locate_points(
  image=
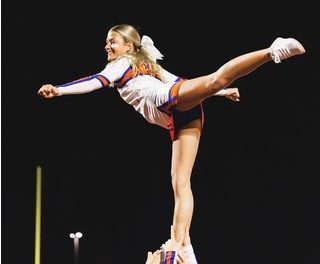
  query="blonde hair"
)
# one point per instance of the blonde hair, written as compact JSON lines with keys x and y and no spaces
{"x":140,"y":56}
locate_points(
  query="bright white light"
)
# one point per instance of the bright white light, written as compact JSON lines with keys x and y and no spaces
{"x":72,"y":235}
{"x":78,"y":234}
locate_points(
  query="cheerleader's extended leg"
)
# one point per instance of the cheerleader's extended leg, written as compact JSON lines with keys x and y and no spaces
{"x":194,"y":91}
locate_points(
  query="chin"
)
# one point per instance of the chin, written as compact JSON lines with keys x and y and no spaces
{"x":111,"y":57}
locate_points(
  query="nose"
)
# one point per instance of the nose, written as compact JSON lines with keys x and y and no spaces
{"x":107,"y":46}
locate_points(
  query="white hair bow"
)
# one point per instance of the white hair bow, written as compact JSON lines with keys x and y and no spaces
{"x":154,"y":53}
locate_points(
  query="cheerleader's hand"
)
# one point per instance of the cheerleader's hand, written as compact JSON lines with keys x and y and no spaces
{"x":233,"y":94}
{"x":48,"y":91}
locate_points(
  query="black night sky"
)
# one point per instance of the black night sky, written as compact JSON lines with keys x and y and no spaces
{"x":106,"y":171}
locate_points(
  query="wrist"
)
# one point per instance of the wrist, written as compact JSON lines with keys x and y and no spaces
{"x":222,"y":92}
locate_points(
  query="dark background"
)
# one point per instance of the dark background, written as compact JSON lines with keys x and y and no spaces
{"x":106,"y":171}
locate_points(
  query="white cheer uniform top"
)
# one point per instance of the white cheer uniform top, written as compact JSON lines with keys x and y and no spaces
{"x":146,"y":93}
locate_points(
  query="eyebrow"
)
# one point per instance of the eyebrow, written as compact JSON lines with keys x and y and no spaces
{"x":108,"y":40}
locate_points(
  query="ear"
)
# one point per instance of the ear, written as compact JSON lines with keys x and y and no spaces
{"x":129,"y":47}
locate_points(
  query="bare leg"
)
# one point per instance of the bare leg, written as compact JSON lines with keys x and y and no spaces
{"x":194,"y":91}
{"x":184,"y":151}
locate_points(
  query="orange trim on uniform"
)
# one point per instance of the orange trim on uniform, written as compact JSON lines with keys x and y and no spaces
{"x":171,"y":128}
{"x":143,"y":69}
{"x":103,"y":80}
{"x":173,"y":98}
{"x":169,"y":257}
{"x":127,"y":75}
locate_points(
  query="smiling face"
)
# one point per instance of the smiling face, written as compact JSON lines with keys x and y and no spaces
{"x":116,"y":46}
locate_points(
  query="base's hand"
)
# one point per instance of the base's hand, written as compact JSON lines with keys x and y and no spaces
{"x":172,"y":244}
{"x":187,"y":239}
{"x":153,"y":258}
{"x":233,"y":94}
{"x":182,"y":258}
{"x":48,"y":91}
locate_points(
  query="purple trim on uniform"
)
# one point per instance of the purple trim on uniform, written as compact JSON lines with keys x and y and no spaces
{"x":124,"y":74}
{"x":171,"y":99}
{"x":77,"y":81}
{"x":161,"y":107}
{"x":168,"y":102}
{"x":103,"y":77}
{"x":129,"y":79}
{"x":169,"y":259}
{"x":86,"y":79}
